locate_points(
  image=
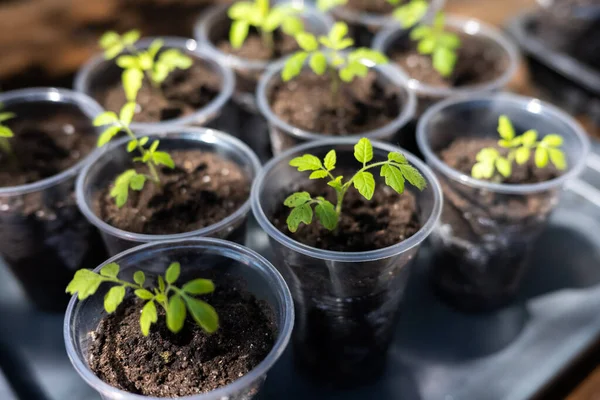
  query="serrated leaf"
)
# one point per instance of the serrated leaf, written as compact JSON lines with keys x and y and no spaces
{"x":326,"y":214}
{"x":307,"y":162}
{"x":144,"y":294}
{"x":337,"y":32}
{"x":318,"y":174}
{"x":132,"y":145}
{"x":363,"y":151}
{"x":293,"y":66}
{"x":106,"y":118}
{"x":176,"y":314}
{"x":529,"y":138}
{"x":292,"y":25}
{"x":107,"y":135}
{"x":541,"y":157}
{"x":148,"y":317}
{"x":110,"y":270}
{"x":238,"y":33}
{"x":552,"y":140}
{"x":336,"y":183}
{"x":298,"y":215}
{"x":482,"y":170}
{"x":139,"y":277}
{"x":522,"y":155}
{"x":297,"y":199}
{"x":120,"y":188}
{"x":132,"y":82}
{"x":503,"y":166}
{"x":411,"y":13}
{"x":137,"y":182}
{"x":307,"y":41}
{"x":364,"y":182}
{"x":557,"y":157}
{"x":203,"y":313}
{"x":173,"y":272}
{"x":444,"y":61}
{"x":127,"y":112}
{"x":330,"y":160}
{"x":505,"y":128}
{"x":114,"y":298}
{"x":163,"y":158}
{"x":318,"y":63}
{"x":85,"y":283}
{"x":199,"y":286}
{"x":393,"y":177}
{"x":352,"y":70}
{"x":397,"y":157}
{"x":413,"y":176}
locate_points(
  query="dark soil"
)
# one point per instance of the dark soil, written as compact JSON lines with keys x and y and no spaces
{"x":307,"y":102}
{"x":167,"y":365}
{"x":479,"y":61}
{"x":202,"y":190}
{"x":255,"y":49}
{"x":182,"y":93}
{"x":372,"y":6}
{"x":489,"y":235}
{"x":43,"y":237}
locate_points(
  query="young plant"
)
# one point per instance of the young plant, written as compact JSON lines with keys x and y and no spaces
{"x":139,"y":63}
{"x":342,"y":66}
{"x":409,"y":14}
{"x":440,"y":44}
{"x":5,"y":132}
{"x":490,"y":160}
{"x":396,"y":170}
{"x":150,"y":156}
{"x":176,"y":301}
{"x":266,"y":19}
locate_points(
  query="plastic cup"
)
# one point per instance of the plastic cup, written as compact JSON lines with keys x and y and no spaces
{"x":195,"y":255}
{"x":346,"y":302}
{"x":44,"y":238}
{"x":113,"y":159}
{"x":481,"y":245}
{"x":99,"y":71}
{"x":284,"y":135}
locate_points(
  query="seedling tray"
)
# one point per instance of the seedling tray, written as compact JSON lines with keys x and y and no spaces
{"x":438,"y":353}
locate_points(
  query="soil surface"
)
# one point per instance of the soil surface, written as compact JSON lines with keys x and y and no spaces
{"x":372,"y":6}
{"x":479,"y":61}
{"x":387,"y":219}
{"x":182,"y":93}
{"x":307,"y":102}
{"x":202,"y":190}
{"x":164,"y":364}
{"x":255,"y":49}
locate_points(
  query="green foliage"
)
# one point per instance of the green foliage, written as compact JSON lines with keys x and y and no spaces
{"x":152,"y":63}
{"x":266,"y":19}
{"x":150,"y":155}
{"x":326,"y":5}
{"x":175,"y":301}
{"x":396,"y":170}
{"x":441,"y":45}
{"x":490,"y":160}
{"x":410,"y":13}
{"x":5,"y":132}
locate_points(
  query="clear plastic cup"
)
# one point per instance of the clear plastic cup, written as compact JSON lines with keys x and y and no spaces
{"x":284,"y":135}
{"x":346,"y":302}
{"x":482,"y":243}
{"x":43,"y":237}
{"x":113,"y":159}
{"x":195,"y":255}
{"x":214,"y":26}
{"x":98,"y":71}
{"x":364,"y":26}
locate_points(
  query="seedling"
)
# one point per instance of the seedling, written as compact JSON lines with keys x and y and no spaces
{"x":409,"y":14}
{"x":440,"y":44}
{"x":176,"y":302}
{"x":150,"y":156}
{"x":396,"y":170}
{"x":266,"y":19}
{"x":342,"y":66}
{"x":490,"y":160}
{"x":5,"y":132}
{"x":139,"y":63}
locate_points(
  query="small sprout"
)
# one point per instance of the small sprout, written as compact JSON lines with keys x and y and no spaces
{"x":410,"y":13}
{"x":441,"y":45}
{"x":176,"y":302}
{"x":266,"y":19}
{"x":342,"y":66}
{"x":490,"y":161}
{"x":150,"y":156}
{"x":140,"y":63}
{"x":5,"y":132}
{"x":396,"y":170}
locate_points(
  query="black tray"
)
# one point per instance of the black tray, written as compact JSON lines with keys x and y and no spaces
{"x":438,"y":354}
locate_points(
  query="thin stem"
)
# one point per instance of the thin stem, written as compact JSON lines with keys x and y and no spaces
{"x":267,"y":39}
{"x":154,"y":174}
{"x":124,"y":283}
{"x":335,"y":87}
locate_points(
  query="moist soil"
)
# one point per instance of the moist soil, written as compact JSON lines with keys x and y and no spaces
{"x":181,"y":94}
{"x":200,"y":191}
{"x":372,"y":6}
{"x":479,"y":61}
{"x":307,"y":102}
{"x":170,"y":365}
{"x":481,"y":269}
{"x":43,"y":237}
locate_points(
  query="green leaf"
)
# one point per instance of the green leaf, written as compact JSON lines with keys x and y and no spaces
{"x":139,"y":277}
{"x":109,"y":39}
{"x":426,"y":45}
{"x":307,"y":41}
{"x":336,"y":183}
{"x":173,"y":59}
{"x":503,"y":166}
{"x":6,"y":132}
{"x":320,"y":174}
{"x":413,"y":176}
{"x":273,"y":20}
{"x":120,"y":189}
{"x":529,"y":138}
{"x":199,"y":286}
{"x":482,"y":170}
{"x":148,"y":317}
{"x":552,"y":140}
{"x":318,"y":63}
{"x":127,"y":61}
{"x":444,"y":61}
{"x":293,"y":66}
{"x":297,"y":199}
{"x":161,"y":284}
{"x":129,"y":38}
{"x":393,"y":177}
{"x":238,"y":33}
{"x":173,"y":272}
{"x":127,"y":112}
{"x":144,"y":294}
{"x":557,"y":157}
{"x":353,"y":69}
{"x":303,"y":213}
{"x":505,"y":128}
{"x":137,"y":182}
{"x":449,"y":41}
{"x":107,"y":135}
{"x":203,"y":313}
{"x":240,"y":10}
{"x":307,"y":162}
{"x":326,"y":5}
{"x":160,"y":72}
{"x":411,"y":13}
{"x":363,"y":151}
{"x":397,"y":157}
{"x":114,"y":298}
{"x":541,"y":157}
{"x":163,"y":158}
{"x":292,"y":25}
{"x":420,"y":32}
{"x":160,"y":298}
{"x":522,"y":155}
{"x":489,"y":155}
{"x":5,"y":116}
{"x":113,"y":51}
{"x":337,"y":32}
{"x":330,"y":160}
{"x":364,"y":182}
{"x":132,"y":82}
{"x":106,"y":118}
{"x":85,"y":283}
{"x":363,"y":54}
{"x":154,"y":146}
{"x":439,"y":21}
{"x":110,"y":270}
{"x":132,"y":145}
{"x":176,"y":314}
{"x":326,"y":214}
{"x":155,"y":47}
